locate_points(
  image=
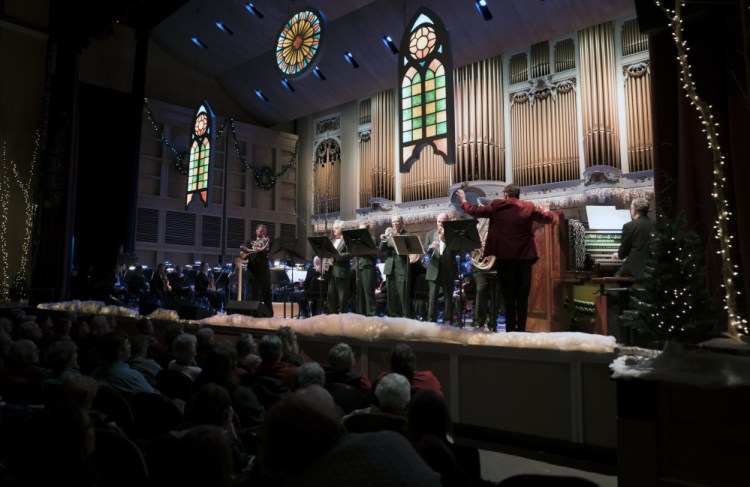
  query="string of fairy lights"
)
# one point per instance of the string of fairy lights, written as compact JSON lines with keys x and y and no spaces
{"x":8,"y":167}
{"x":711,"y":129}
{"x":264,"y":176}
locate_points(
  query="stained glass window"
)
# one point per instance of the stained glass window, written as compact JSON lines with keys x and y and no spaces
{"x":426,"y":90}
{"x":199,"y":168}
{"x":299,"y":43}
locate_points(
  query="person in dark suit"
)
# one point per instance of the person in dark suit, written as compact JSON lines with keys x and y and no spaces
{"x":396,"y":271}
{"x":256,"y":253}
{"x":634,"y":245}
{"x":366,"y":284}
{"x":338,"y":282}
{"x":510,"y":239}
{"x":441,"y":272}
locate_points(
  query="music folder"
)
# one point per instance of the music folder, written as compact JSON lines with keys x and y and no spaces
{"x":359,"y":242}
{"x":407,"y":244}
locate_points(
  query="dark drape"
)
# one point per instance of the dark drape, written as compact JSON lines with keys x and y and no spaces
{"x":683,"y":164}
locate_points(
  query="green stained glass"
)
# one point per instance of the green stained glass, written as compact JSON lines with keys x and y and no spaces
{"x":440,"y":81}
{"x":430,"y":119}
{"x":441,"y":104}
{"x":429,"y":96}
{"x":417,"y":123}
{"x":407,"y":114}
{"x":299,"y":41}
{"x":442,"y":128}
{"x":416,"y":100}
{"x":406,"y":92}
{"x":429,"y":74}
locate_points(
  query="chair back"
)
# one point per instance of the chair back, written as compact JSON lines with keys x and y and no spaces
{"x":347,"y":397}
{"x":118,"y":460}
{"x":154,"y":415}
{"x":372,"y":422}
{"x":115,"y":406}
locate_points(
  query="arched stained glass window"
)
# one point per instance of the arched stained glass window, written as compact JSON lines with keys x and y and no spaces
{"x":426,"y":90}
{"x":300,"y":42}
{"x":199,"y":168}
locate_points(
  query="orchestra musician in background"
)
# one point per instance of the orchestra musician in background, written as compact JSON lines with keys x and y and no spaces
{"x":367,"y":282}
{"x":339,"y":269}
{"x":441,"y":272}
{"x":314,"y":286}
{"x":510,"y":239}
{"x":238,"y":278}
{"x":180,"y":284}
{"x":396,"y":271}
{"x":256,"y":253}
{"x":205,"y":286}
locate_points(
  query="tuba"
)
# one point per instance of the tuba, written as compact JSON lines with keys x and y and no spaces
{"x":477,"y":255}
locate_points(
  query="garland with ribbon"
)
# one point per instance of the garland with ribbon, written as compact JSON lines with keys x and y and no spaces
{"x":264,"y":175}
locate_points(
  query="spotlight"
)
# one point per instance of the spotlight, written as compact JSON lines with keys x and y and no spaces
{"x":317,"y":72}
{"x":350,"y":59}
{"x":224,"y":28}
{"x":287,"y":85}
{"x":483,"y":9}
{"x":198,"y":42}
{"x":251,"y":8}
{"x":389,"y":44}
{"x":261,"y":95}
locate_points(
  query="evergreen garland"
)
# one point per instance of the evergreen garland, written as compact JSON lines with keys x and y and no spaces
{"x":674,"y":303}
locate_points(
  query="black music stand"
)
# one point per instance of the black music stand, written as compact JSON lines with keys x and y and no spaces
{"x":286,"y":252}
{"x":461,"y":236}
{"x":323,"y":248}
{"x":359,"y":243}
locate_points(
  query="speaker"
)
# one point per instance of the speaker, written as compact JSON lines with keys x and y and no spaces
{"x":249,"y":308}
{"x":193,"y":312}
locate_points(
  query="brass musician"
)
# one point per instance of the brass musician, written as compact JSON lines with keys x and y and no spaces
{"x":259,"y":273}
{"x":396,"y":271}
{"x":441,"y":271}
{"x":339,"y":277}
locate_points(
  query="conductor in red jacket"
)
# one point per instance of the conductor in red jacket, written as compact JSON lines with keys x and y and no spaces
{"x":510,"y":239}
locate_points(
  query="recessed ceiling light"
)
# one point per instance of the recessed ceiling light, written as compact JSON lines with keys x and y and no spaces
{"x":198,"y":42}
{"x":224,"y":28}
{"x":388,"y":41}
{"x":251,"y":8}
{"x":261,"y":95}
{"x":350,"y":59}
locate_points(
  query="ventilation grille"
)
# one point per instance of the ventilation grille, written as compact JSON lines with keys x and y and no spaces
{"x":180,"y":228}
{"x":235,"y":232}
{"x":147,"y":225}
{"x":211,"y":233}
{"x":288,"y":232}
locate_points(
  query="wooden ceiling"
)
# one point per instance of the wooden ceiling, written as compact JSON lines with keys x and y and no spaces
{"x":244,"y":61}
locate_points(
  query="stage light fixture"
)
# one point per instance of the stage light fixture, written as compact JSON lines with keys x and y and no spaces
{"x":317,"y":72}
{"x":224,"y":28}
{"x":261,"y":95}
{"x":483,"y":9}
{"x":198,"y":42}
{"x":350,"y":59}
{"x":287,"y":85}
{"x":251,"y":8}
{"x":389,"y":44}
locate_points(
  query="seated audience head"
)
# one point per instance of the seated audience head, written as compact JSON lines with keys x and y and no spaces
{"x":298,"y":430}
{"x":29,"y":330}
{"x":78,"y":391}
{"x":61,"y":354}
{"x":62,"y":326}
{"x":205,"y":336}
{"x":220,"y":366}
{"x":341,"y":358}
{"x":22,"y":353}
{"x":246,"y":345}
{"x":289,"y":342}
{"x":428,"y":415}
{"x":114,"y":347}
{"x":184,"y":348}
{"x":270,"y":349}
{"x":144,"y":326}
{"x":203,"y":456}
{"x":393,"y":392}
{"x":138,"y":346}
{"x":211,"y":404}
{"x":309,"y":373}
{"x":403,"y":360}
{"x":98,"y":325}
{"x":173,"y":331}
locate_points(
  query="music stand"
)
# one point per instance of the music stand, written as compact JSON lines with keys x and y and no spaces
{"x":359,"y":243}
{"x":323,"y":248}
{"x":461,"y":236}
{"x":286,"y":252}
{"x":405,"y":246}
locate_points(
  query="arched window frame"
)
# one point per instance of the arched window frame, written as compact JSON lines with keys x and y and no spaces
{"x":202,"y":138}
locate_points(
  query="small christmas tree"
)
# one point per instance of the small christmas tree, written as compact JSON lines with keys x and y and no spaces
{"x":674,"y":303}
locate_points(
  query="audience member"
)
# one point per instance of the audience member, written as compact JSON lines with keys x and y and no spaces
{"x":247,"y":353}
{"x":404,"y":362}
{"x":114,"y":349}
{"x":184,"y":350}
{"x":61,"y":360}
{"x":21,"y":382}
{"x":271,"y":365}
{"x":289,"y":346}
{"x":341,"y":361}
{"x":203,"y":456}
{"x":308,"y":374}
{"x":205,"y":343}
{"x":154,"y":348}
{"x":139,"y":360}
